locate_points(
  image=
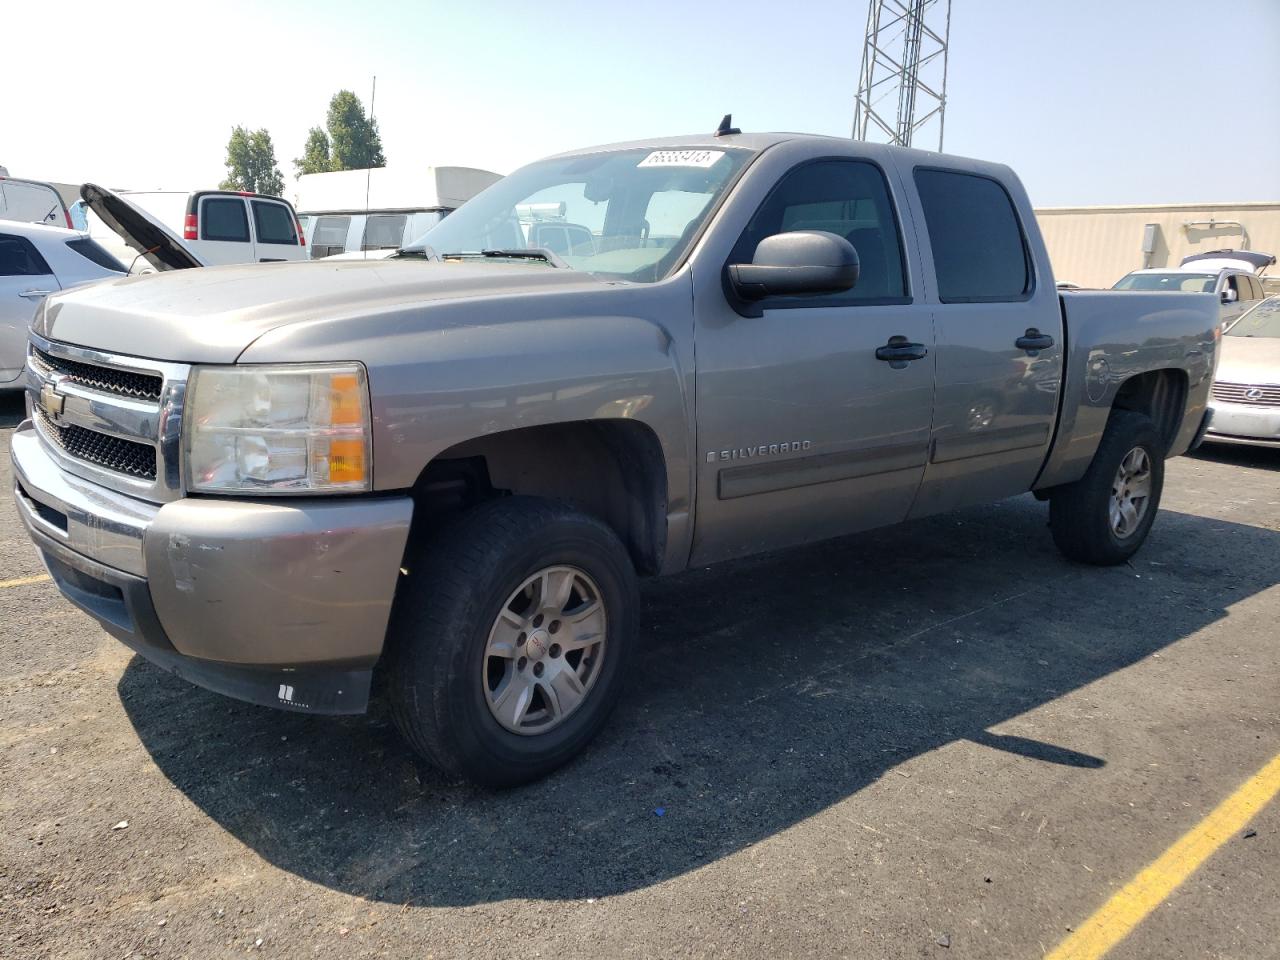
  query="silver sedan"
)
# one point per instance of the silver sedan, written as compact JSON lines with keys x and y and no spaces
{"x":1246,"y":391}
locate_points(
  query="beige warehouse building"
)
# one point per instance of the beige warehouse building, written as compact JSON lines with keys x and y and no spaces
{"x":1096,"y":246}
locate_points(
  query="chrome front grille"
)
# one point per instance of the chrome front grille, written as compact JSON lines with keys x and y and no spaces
{"x":111,"y":419}
{"x":127,"y":383}
{"x":129,"y":457}
{"x":1257,"y":394}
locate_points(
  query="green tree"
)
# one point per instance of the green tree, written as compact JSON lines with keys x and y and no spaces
{"x":315,"y":155}
{"x":251,"y":163}
{"x":354,"y":142}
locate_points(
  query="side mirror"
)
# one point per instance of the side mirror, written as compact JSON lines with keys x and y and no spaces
{"x":796,"y":263}
{"x":1230,"y":296}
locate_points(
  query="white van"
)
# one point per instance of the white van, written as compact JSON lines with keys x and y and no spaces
{"x":218,"y":226}
{"x":30,"y":201}
{"x":355,"y":211}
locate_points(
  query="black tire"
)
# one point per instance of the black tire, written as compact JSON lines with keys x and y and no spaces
{"x":458,"y":583}
{"x":1079,"y":513}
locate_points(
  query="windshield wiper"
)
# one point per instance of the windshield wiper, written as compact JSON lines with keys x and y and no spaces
{"x":525,"y":253}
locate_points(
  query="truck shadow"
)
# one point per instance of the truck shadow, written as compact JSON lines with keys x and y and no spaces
{"x":766,"y":691}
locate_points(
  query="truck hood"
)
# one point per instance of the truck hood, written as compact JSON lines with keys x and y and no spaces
{"x":1249,"y":360}
{"x":212,"y":315}
{"x":142,"y":232}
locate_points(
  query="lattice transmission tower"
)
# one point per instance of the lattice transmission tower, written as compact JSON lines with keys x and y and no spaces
{"x":902,"y":86}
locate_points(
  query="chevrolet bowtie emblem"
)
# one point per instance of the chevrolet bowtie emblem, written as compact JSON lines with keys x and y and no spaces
{"x":51,"y":401}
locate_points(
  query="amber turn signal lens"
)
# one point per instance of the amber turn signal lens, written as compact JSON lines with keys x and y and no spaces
{"x":344,"y":399}
{"x":346,"y":461}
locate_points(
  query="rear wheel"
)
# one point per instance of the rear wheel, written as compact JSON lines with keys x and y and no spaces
{"x":1105,"y":516}
{"x":510,"y":638}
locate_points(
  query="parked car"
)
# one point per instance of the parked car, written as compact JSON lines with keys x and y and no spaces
{"x":217,"y":226}
{"x":1232,"y":279}
{"x":453,"y":464}
{"x":1246,"y":392}
{"x":36,"y":261}
{"x":362,"y":212}
{"x":31,"y":201}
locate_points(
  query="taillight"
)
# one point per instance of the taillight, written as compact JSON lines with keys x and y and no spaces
{"x":189,"y":227}
{"x":67,"y":213}
{"x":302,"y":239}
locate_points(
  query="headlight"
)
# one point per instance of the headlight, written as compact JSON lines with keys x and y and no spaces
{"x":278,"y":429}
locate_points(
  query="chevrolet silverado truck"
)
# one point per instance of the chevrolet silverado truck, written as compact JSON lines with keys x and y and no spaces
{"x":448,"y":469}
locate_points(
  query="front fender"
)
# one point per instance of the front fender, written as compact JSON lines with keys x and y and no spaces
{"x":445,"y":372}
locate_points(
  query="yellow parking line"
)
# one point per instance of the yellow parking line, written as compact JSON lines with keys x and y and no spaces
{"x":1124,"y":911}
{"x":23,"y":581}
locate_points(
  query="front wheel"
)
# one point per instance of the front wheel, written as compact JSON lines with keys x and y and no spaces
{"x":510,"y":639}
{"x":1104,"y":517}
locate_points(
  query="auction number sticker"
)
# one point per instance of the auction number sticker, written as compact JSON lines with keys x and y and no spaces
{"x":681,"y":158}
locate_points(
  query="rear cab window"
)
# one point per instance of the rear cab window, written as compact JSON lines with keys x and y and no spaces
{"x":273,"y":223}
{"x":980,"y":253}
{"x":849,"y":198}
{"x":224,"y":218}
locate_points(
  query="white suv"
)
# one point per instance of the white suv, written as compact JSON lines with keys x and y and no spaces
{"x":1231,"y":274}
{"x":218,"y":226}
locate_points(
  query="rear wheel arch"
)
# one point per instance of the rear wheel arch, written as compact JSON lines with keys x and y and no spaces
{"x":612,"y":469}
{"x":1159,"y":394}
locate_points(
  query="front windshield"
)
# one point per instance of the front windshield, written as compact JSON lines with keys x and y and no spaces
{"x":1178,"y":282}
{"x":626,"y":214}
{"x":1262,"y":321}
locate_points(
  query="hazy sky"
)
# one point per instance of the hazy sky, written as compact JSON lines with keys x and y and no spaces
{"x":1123,"y":101}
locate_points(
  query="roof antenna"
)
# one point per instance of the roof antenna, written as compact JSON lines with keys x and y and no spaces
{"x":368,"y":174}
{"x":726,"y":127}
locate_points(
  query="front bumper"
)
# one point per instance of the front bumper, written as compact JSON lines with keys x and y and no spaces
{"x":1248,"y":424}
{"x":280,"y":602}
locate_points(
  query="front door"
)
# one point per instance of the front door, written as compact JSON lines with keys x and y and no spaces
{"x":802,"y":432}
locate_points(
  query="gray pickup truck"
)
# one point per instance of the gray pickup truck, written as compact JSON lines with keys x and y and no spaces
{"x":447,"y":470}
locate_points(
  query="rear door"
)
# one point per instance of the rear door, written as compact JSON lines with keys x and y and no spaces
{"x":223,"y":230}
{"x":274,"y":231}
{"x":999,"y":340}
{"x":25,"y":280}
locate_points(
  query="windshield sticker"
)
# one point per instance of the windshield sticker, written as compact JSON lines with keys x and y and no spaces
{"x":682,"y":158}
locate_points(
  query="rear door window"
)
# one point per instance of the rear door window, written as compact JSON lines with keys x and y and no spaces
{"x":850,"y":199}
{"x":979,"y":251}
{"x":92,"y":250}
{"x":330,"y":236}
{"x":274,"y":223}
{"x":19,"y":258}
{"x":384,"y":232}
{"x":224,"y":218}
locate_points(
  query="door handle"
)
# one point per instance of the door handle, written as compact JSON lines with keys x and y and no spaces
{"x":1033,"y":340}
{"x":899,"y":351}
{"x":34,"y":294}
